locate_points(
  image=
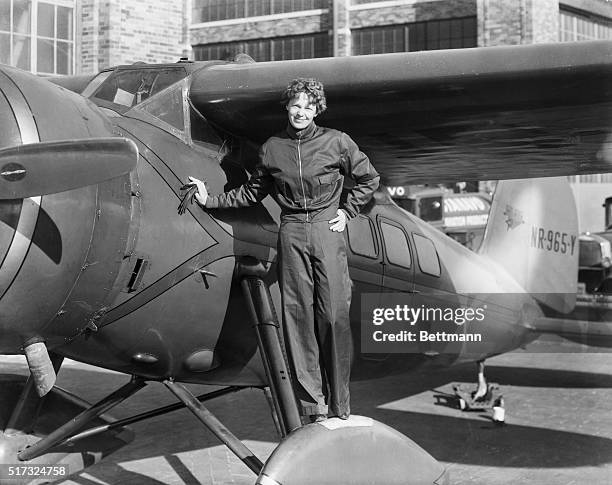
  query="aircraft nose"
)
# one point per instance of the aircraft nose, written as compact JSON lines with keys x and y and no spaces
{"x":17,"y":217}
{"x":10,"y":210}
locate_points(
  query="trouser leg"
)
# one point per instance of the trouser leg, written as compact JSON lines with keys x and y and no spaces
{"x":332,"y":301}
{"x":296,"y":280}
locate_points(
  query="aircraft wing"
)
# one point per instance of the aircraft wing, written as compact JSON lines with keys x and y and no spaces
{"x":439,"y":116}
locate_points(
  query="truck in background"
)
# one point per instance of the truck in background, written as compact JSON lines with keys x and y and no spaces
{"x":595,"y":258}
{"x":595,"y":263}
{"x":462,"y":216}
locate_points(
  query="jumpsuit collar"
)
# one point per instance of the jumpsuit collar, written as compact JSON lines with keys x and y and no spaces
{"x":304,"y":134}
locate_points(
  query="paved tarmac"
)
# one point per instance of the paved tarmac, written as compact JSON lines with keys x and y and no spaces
{"x":558,"y":428}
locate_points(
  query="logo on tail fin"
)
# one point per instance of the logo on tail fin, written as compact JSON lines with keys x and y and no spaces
{"x":514,"y":217}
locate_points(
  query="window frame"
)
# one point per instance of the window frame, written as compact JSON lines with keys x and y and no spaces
{"x":110,"y":75}
{"x":422,"y":35}
{"x":570,"y":21}
{"x":416,"y":235}
{"x":221,"y":10}
{"x":390,"y":222}
{"x":374,"y":239}
{"x":268,"y":48}
{"x":32,"y":38}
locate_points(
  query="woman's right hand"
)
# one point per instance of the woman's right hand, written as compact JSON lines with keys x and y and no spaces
{"x":202,"y":194}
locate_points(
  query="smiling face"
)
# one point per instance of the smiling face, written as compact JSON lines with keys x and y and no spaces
{"x":301,"y":111}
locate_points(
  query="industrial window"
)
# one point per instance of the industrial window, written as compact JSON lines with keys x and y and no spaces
{"x":595,"y":178}
{"x":575,"y":26}
{"x":427,"y":255}
{"x":361,"y":237}
{"x":38,"y":36}
{"x":213,"y":10}
{"x":396,"y":245}
{"x":416,"y":36}
{"x":277,"y":49}
{"x":55,"y":39}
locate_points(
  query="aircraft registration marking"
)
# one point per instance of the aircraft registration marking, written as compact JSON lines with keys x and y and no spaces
{"x":553,"y":241}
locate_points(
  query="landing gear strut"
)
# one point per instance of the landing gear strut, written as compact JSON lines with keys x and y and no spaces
{"x":486,"y":395}
{"x":482,"y":388}
{"x":81,"y":420}
{"x":358,"y":450}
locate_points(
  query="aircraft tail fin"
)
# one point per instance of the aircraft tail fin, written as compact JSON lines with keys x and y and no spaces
{"x":532,"y":233}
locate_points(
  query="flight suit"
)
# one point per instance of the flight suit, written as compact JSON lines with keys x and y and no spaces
{"x":303,"y":171}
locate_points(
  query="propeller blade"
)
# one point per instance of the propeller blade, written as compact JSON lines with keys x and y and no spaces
{"x":52,"y":167}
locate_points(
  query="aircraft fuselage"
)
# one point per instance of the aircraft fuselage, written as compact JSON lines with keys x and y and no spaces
{"x":111,"y":275}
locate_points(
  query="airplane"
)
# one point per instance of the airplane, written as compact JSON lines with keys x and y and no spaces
{"x":97,"y":266}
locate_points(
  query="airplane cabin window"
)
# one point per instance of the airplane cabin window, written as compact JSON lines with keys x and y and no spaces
{"x":95,"y":83}
{"x":396,"y":245}
{"x":177,"y":116}
{"x":427,"y":255}
{"x":169,"y":107}
{"x":361,"y":237}
{"x":129,"y":87}
{"x":201,"y":131}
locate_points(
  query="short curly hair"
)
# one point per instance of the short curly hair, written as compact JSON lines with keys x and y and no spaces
{"x":312,"y":87}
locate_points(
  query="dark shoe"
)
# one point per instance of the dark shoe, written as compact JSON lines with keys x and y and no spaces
{"x":344,"y":416}
{"x":317,"y":418}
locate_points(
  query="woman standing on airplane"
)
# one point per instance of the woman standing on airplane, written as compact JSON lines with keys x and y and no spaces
{"x":303,"y":168}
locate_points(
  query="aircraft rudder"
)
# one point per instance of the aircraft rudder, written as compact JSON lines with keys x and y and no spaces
{"x":532,"y":233}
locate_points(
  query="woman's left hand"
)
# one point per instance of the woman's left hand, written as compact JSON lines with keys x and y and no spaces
{"x":338,"y":223}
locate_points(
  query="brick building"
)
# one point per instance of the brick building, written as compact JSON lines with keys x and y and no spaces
{"x":115,"y":32}
{"x":293,"y":29}
{"x":289,"y":29}
{"x":84,"y":36}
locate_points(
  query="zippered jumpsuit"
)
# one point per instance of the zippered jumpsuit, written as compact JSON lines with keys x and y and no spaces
{"x":304,"y":170}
